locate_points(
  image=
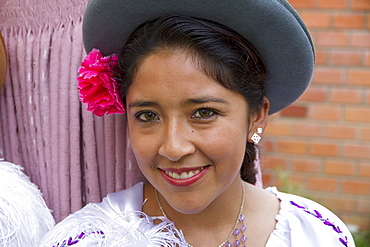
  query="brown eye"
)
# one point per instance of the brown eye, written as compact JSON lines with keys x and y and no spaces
{"x":147,"y":116}
{"x":203,"y":113}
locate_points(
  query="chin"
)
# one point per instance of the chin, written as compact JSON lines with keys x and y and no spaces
{"x":189,"y":204}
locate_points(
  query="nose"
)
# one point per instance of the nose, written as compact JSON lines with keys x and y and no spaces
{"x":176,"y":141}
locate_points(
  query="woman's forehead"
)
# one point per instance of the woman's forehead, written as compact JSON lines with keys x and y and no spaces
{"x":170,"y":70}
{"x":174,"y":76}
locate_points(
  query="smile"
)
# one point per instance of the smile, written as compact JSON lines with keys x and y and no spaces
{"x":184,"y":177}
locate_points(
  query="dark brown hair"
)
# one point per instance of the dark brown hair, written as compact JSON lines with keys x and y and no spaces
{"x":221,"y":53}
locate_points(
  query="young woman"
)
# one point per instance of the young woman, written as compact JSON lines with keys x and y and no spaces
{"x":197,"y":82}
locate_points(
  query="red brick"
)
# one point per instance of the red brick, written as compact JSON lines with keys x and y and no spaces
{"x":321,"y":57}
{"x":325,"y":112}
{"x":315,"y":94}
{"x":344,"y":168}
{"x":356,"y":187}
{"x":333,"y":4}
{"x":363,"y":206}
{"x":322,"y":184}
{"x":345,"y":95}
{"x":294,"y":111}
{"x":298,"y":180}
{"x":292,"y":147}
{"x":360,"y":39}
{"x":367,"y":55}
{"x":349,"y":20}
{"x":324,"y":149}
{"x":364,"y":170}
{"x":309,"y":130}
{"x":360,"y":4}
{"x":339,"y":203}
{"x":314,"y":19}
{"x":365,"y":134}
{"x":332,"y":39}
{"x":306,"y":165}
{"x":274,"y":162}
{"x":267,"y":179}
{"x":346,"y":58}
{"x":341,"y":132}
{"x":279,"y":128}
{"x":361,"y":221}
{"x":268,"y":144}
{"x":359,"y":77}
{"x":357,"y":151}
{"x":289,"y":186}
{"x":368,"y":97}
{"x":302,"y":3}
{"x":357,"y":114}
{"x":328,"y":76}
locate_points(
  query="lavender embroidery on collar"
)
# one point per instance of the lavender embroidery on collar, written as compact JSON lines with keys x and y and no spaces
{"x":343,"y":239}
{"x":72,"y":241}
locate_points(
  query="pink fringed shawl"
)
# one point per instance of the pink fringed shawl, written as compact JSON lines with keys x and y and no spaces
{"x":74,"y":157}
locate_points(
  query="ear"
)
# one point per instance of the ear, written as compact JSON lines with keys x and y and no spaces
{"x":259,"y":119}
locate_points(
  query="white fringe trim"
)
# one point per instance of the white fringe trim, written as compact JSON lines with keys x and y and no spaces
{"x":91,"y":227}
{"x":24,"y":216}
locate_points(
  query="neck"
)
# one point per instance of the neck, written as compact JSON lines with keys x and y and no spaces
{"x":218,"y":217}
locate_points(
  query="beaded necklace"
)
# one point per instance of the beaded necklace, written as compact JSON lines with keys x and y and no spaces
{"x":236,"y":232}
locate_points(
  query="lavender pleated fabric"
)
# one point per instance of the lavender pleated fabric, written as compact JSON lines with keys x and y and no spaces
{"x":74,"y":157}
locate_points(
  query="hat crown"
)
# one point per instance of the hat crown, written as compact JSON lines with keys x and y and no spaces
{"x":272,"y":26}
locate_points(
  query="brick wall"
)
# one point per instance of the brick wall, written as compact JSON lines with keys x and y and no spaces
{"x":323,"y":140}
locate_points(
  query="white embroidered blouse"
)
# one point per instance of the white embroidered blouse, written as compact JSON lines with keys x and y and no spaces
{"x":118,"y":221}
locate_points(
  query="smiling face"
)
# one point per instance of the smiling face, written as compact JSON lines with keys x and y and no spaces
{"x":187,"y":131}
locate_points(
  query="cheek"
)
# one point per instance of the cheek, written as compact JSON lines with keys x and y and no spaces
{"x":142,"y":146}
{"x":142,"y":149}
{"x":228,"y":145}
{"x":144,"y":156}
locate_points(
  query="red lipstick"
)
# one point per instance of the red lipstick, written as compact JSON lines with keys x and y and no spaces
{"x":185,"y":181}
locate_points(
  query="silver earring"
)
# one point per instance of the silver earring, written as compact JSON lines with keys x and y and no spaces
{"x":256,"y":137}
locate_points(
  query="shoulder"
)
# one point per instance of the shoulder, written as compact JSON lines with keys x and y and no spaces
{"x":116,"y":221}
{"x":88,"y":226}
{"x":302,"y":222}
{"x":127,"y":200}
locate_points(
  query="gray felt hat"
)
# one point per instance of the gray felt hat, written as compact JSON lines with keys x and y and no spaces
{"x":272,"y":26}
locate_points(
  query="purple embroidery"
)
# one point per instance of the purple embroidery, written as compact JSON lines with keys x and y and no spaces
{"x":344,"y":242}
{"x":295,"y":204}
{"x":72,"y":241}
{"x":342,"y":239}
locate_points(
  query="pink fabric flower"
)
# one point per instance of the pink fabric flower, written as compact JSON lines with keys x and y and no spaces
{"x":97,"y":87}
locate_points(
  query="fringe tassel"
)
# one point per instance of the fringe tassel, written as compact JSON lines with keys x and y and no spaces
{"x":24,"y":216}
{"x":91,"y":227}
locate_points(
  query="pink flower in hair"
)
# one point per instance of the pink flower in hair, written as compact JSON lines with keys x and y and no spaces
{"x":97,"y":86}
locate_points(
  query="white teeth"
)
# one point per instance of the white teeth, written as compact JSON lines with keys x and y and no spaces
{"x":183,"y":175}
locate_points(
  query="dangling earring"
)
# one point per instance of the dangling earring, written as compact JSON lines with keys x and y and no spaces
{"x":256,"y":137}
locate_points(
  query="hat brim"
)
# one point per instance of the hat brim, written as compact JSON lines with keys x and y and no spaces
{"x":272,"y":26}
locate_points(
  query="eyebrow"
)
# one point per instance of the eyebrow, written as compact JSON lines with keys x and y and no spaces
{"x":140,"y":103}
{"x":202,"y":100}
{"x":206,"y":100}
